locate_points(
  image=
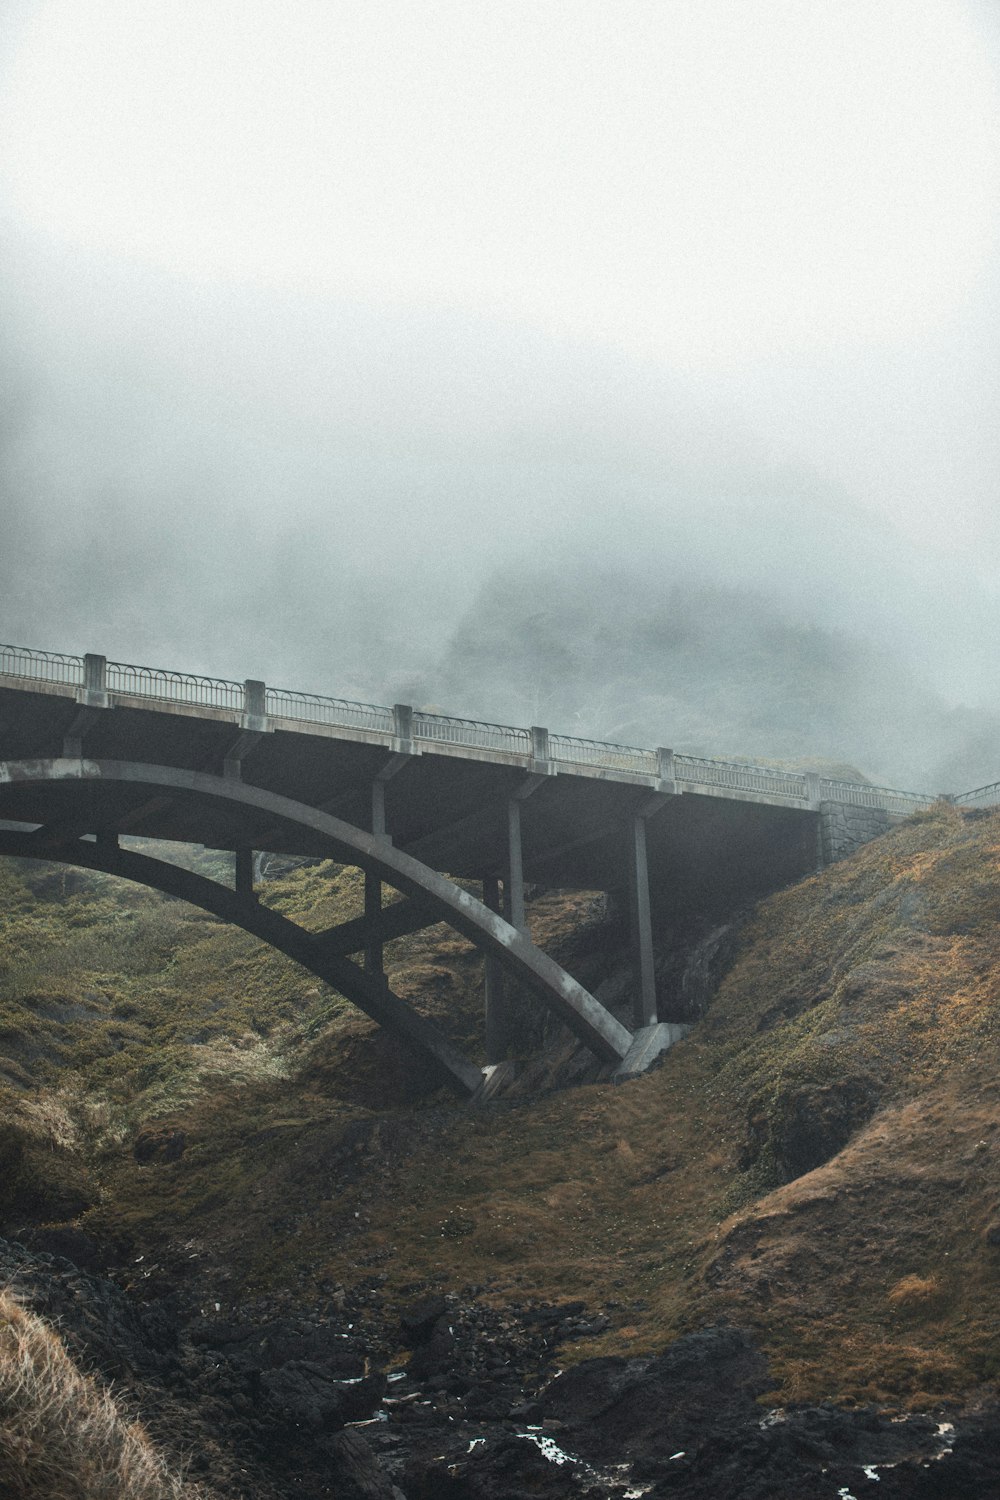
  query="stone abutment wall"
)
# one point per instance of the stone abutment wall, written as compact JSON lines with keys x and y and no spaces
{"x":843,"y":828}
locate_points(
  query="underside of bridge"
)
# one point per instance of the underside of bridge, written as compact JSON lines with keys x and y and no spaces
{"x":79,"y":778}
{"x":75,"y":811}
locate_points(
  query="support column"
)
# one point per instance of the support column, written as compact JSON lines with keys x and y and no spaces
{"x":373,"y":914}
{"x":513,"y":882}
{"x":497,"y":1019}
{"x":374,"y":961}
{"x":644,"y":998}
{"x":244,"y":874}
{"x":374,"y":957}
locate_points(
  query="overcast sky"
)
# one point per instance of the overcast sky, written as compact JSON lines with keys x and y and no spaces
{"x":318,"y":313}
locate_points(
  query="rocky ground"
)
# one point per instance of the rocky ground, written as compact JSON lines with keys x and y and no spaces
{"x":283,"y":1403}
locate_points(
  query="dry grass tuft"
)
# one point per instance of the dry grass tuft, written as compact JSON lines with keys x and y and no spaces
{"x":61,"y":1436}
{"x":915,"y":1292}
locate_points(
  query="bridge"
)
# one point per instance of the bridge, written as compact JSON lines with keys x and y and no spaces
{"x":93,"y":752}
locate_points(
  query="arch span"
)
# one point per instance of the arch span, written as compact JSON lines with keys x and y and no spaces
{"x":364,"y":991}
{"x":71,"y":783}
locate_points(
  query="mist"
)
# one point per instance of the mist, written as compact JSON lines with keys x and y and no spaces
{"x":511,"y":445}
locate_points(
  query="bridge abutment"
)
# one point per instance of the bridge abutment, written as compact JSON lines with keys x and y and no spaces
{"x":844,"y":828}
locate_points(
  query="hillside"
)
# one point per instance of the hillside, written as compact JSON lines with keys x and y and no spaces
{"x":813,"y":1177}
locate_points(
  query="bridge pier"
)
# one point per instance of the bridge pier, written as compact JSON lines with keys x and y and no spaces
{"x":245,"y":874}
{"x":641,"y":926}
{"x":497,"y":1012}
{"x":374,"y":950}
{"x":640,"y":912}
{"x":513,"y":877}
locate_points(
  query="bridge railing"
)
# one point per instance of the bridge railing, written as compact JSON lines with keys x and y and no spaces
{"x":41,"y":666}
{"x":987,"y":796}
{"x":860,"y":794}
{"x":313,"y":708}
{"x":475,"y":733}
{"x":173,"y":687}
{"x":571,"y":751}
{"x":735,"y":777}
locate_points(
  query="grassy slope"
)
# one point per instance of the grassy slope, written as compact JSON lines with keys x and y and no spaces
{"x":852,"y":1047}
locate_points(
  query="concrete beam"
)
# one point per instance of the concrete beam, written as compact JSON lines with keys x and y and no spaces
{"x":395,"y":921}
{"x":242,"y":746}
{"x":83,"y":719}
{"x":58,"y":834}
{"x":64,"y":831}
{"x":397,"y":762}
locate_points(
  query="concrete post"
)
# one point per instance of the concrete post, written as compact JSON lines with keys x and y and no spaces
{"x":95,"y":681}
{"x":95,"y":673}
{"x":666,"y":769}
{"x":497,"y":1017}
{"x":402,"y":727}
{"x":813,"y":789}
{"x":539,"y":745}
{"x":254,"y":705}
{"x":644,"y":999}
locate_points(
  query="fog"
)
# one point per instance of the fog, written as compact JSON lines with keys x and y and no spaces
{"x":632,"y":375}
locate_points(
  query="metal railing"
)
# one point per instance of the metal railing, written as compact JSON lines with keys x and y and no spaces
{"x":155,"y":683}
{"x":981,"y":794}
{"x":735,"y":777}
{"x":603,"y":753}
{"x":173,"y":687}
{"x":312,"y":708}
{"x":41,"y":666}
{"x":476,"y":734}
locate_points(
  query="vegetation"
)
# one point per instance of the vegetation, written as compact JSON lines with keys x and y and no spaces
{"x":63,"y":1437}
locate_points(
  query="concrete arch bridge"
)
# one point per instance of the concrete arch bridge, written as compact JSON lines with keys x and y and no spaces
{"x":92,"y":751}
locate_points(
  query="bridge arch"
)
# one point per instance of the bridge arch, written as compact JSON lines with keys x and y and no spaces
{"x":68,"y":784}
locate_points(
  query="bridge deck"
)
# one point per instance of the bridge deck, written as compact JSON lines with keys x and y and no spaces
{"x":722,"y":831}
{"x":91,"y":750}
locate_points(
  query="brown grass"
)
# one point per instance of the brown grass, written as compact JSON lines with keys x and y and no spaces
{"x":62,"y":1437}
